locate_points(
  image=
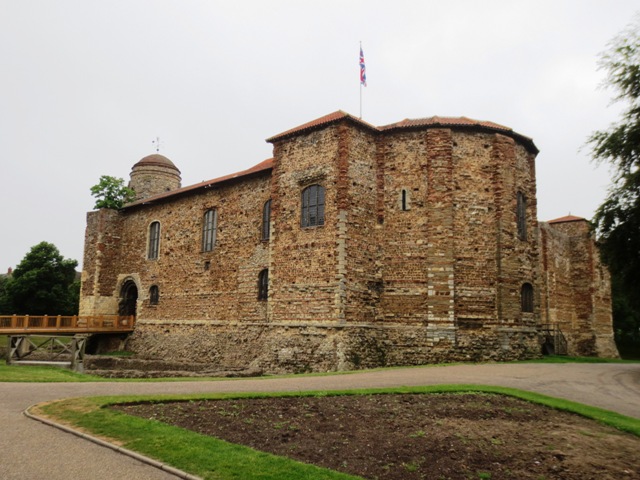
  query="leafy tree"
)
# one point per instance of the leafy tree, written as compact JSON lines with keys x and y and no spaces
{"x":111,"y":192}
{"x":43,"y":283}
{"x":5,"y":304}
{"x":618,"y":219}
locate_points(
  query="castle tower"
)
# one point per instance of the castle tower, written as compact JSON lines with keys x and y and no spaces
{"x":154,"y":174}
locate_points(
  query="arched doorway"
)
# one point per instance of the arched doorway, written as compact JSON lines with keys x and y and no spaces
{"x":128,"y":299}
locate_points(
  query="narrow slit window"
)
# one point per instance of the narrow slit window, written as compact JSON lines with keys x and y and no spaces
{"x":209,"y":225}
{"x":405,"y":204}
{"x":266,"y":220}
{"x":263,"y":285}
{"x":154,"y":241}
{"x":521,"y":216}
{"x":154,"y":295}
{"x":526,"y":298}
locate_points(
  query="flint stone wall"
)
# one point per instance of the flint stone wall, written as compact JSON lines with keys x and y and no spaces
{"x":320,"y":348}
{"x":418,"y":260}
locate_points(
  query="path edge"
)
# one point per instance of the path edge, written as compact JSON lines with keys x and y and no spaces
{"x":103,"y":443}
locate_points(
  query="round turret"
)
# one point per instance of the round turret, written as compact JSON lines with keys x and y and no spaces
{"x":154,"y":174}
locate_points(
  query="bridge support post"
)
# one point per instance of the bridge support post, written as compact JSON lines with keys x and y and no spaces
{"x":19,"y":346}
{"x":78,"y":347}
{"x":9,"y":349}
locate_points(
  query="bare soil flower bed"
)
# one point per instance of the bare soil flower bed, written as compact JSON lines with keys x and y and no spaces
{"x":414,"y":436}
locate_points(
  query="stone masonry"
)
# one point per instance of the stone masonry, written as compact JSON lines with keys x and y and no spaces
{"x":426,"y":243}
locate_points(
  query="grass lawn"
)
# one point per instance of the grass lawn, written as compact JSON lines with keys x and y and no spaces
{"x":23,"y":373}
{"x":211,"y":458}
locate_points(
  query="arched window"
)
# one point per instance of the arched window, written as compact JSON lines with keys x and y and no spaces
{"x":526,"y":298}
{"x":312,"y":206}
{"x":154,"y":241}
{"x":263,"y":284}
{"x":154,"y":295}
{"x":266,"y":220}
{"x":209,"y":226}
{"x":521,"y":216}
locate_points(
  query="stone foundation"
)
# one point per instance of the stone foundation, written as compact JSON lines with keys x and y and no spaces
{"x":301,"y":348}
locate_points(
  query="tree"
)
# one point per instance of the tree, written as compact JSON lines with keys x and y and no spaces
{"x":617,"y":220}
{"x":5,"y":304}
{"x":111,"y":192}
{"x":43,"y":283}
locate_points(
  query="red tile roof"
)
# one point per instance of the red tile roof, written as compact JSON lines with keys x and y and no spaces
{"x":318,"y":123}
{"x":430,"y":122}
{"x":261,"y":167}
{"x":445,"y":122}
{"x":407,"y":123}
{"x":568,"y":218}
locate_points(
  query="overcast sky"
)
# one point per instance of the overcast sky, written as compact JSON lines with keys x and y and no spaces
{"x":86,"y":86}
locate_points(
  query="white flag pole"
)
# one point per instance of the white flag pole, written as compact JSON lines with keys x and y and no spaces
{"x":361,"y":62}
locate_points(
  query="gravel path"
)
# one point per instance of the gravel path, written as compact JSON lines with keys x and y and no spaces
{"x":33,"y":451}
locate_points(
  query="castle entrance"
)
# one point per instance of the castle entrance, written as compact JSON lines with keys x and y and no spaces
{"x":128,"y":299}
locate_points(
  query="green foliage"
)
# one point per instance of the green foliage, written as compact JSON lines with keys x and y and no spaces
{"x":5,"y":303}
{"x":111,"y":192}
{"x":43,"y":283}
{"x":204,"y":456}
{"x":43,"y":374}
{"x":618,"y":219}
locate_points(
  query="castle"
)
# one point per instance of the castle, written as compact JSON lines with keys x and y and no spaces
{"x":355,"y":246}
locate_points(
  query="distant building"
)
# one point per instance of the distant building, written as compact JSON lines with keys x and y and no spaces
{"x":354,"y":246}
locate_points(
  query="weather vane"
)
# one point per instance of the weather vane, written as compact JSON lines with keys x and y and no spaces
{"x":156,"y":142}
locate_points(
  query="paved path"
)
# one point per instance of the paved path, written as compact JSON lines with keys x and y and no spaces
{"x":33,"y":451}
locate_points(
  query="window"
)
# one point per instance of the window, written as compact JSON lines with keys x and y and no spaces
{"x":154,"y":241}
{"x":266,"y":220}
{"x":312,"y":206}
{"x":521,"y":216}
{"x":154,"y":295}
{"x":209,"y":225}
{"x":263,"y":284}
{"x":405,"y":200}
{"x":526,"y":298}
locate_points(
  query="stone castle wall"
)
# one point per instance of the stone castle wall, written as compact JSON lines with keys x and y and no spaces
{"x":576,"y":288}
{"x":419,"y":258}
{"x":218,"y":285}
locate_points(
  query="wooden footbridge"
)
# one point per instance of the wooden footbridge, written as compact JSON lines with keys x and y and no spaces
{"x":56,"y":340}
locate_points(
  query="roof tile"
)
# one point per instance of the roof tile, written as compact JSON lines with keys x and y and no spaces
{"x":262,"y":166}
{"x":567,"y":218}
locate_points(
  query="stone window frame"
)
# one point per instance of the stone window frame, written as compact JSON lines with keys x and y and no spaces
{"x":521,"y":216}
{"x":153,"y":243}
{"x":312,"y":203}
{"x":263,"y":284}
{"x":209,"y":229}
{"x":266,"y":221}
{"x":154,"y":295}
{"x":526,"y":298}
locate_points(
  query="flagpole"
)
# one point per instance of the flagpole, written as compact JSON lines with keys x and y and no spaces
{"x":360,"y":100}
{"x":361,"y":61}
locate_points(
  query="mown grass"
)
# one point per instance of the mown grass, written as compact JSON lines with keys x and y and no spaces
{"x":206,"y":457}
{"x":24,"y":373}
{"x":211,"y":458}
{"x":42,"y":374}
{"x":567,"y":359}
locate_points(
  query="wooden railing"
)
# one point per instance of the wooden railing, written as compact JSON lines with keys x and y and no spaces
{"x":553,"y":340}
{"x":25,"y":324}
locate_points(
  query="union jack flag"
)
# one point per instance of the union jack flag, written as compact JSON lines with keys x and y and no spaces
{"x":363,"y":70}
